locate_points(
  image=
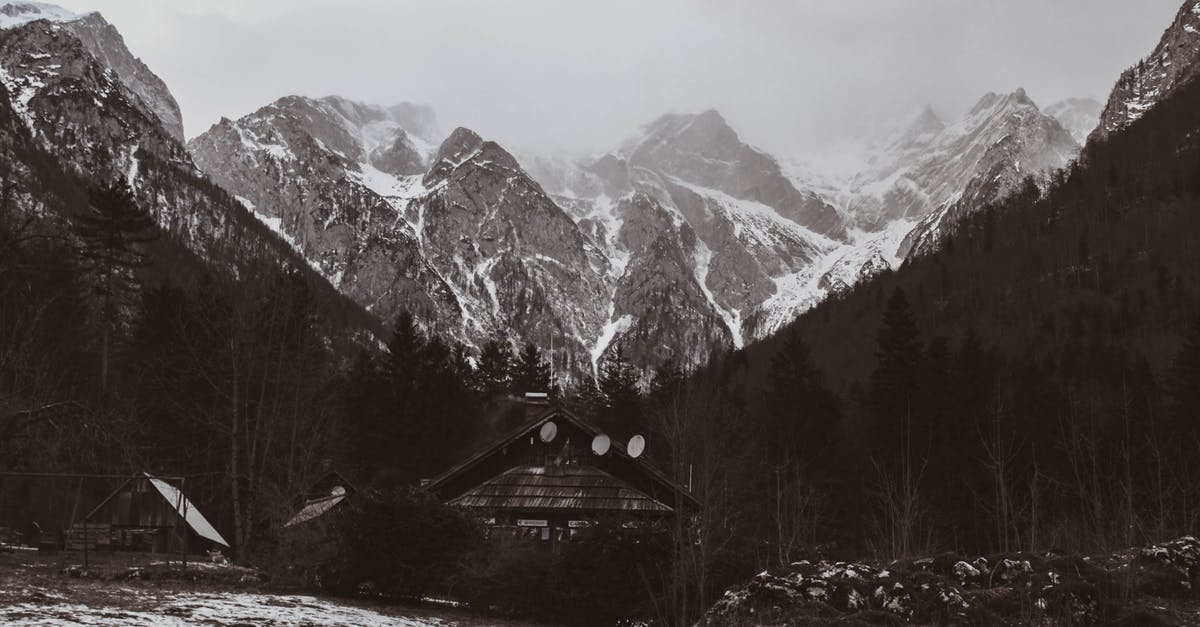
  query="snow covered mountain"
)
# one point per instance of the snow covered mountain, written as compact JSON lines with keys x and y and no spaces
{"x":1078,"y":115}
{"x":681,"y":242}
{"x":103,"y":42}
{"x":1003,"y":140}
{"x":917,"y":172}
{"x":457,"y":234}
{"x":78,"y":110}
{"x":1173,"y":62}
{"x":742,"y":240}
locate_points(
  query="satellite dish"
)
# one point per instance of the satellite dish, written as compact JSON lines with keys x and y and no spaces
{"x":548,"y":432}
{"x":338,"y":491}
{"x":636,"y":446}
{"x":600,"y":444}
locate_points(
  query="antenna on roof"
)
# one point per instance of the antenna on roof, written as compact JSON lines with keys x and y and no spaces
{"x":600,"y":444}
{"x":548,"y":432}
{"x":636,"y":446}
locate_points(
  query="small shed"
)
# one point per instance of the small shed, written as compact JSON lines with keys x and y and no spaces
{"x":326,"y":493}
{"x":147,"y":514}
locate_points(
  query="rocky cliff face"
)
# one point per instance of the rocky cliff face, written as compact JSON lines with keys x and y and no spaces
{"x":1012,"y":141}
{"x":331,"y":177}
{"x":682,"y":242}
{"x":104,"y":43}
{"x":929,"y":164}
{"x":77,"y":113}
{"x":703,"y":150}
{"x":686,"y":193}
{"x":459,"y":235}
{"x":1172,"y":63}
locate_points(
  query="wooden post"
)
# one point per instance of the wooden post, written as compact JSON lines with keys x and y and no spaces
{"x":74,"y":510}
{"x":184,"y":539}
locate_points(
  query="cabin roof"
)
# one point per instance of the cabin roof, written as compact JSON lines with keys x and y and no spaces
{"x":554,"y":489}
{"x":567,"y":487}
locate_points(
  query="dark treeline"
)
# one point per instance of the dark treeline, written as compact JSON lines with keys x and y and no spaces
{"x":120,"y":352}
{"x":1030,"y":386}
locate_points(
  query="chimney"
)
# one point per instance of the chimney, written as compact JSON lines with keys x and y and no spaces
{"x":536,"y":404}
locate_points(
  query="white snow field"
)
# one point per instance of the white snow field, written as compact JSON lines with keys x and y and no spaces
{"x":204,"y":608}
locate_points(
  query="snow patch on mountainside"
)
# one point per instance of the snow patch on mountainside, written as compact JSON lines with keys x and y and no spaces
{"x":841,"y":268}
{"x":731,"y":317}
{"x":761,"y":227}
{"x":611,"y":330}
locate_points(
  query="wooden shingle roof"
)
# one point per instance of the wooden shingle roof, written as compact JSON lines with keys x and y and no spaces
{"x":497,"y":473}
{"x":570,"y":487}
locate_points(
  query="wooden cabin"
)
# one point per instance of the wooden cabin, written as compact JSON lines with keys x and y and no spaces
{"x":544,"y":481}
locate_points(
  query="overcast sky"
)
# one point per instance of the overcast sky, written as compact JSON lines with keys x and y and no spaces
{"x":794,"y":77}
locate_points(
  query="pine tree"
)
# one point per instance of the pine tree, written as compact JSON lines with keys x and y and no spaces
{"x":894,"y":382}
{"x":113,"y":231}
{"x":1184,"y":382}
{"x":668,"y":380}
{"x":531,"y":373}
{"x":803,"y":412}
{"x":592,"y":402}
{"x":404,"y":350}
{"x":494,"y":375}
{"x":619,"y":383}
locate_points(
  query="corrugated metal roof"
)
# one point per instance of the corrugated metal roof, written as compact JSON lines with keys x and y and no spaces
{"x":569,"y":487}
{"x":315,"y":508}
{"x":184,"y":507}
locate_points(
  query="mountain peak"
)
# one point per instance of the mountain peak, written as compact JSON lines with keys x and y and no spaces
{"x":927,"y":121}
{"x":458,"y":147}
{"x":992,"y":100}
{"x":1172,"y":63}
{"x":711,"y":116}
{"x":15,"y":14}
{"x":1078,"y":115}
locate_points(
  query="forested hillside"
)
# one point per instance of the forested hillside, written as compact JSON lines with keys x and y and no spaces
{"x":1031,"y":384}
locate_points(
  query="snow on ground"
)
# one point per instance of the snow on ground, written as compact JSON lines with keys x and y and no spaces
{"x":203,"y":608}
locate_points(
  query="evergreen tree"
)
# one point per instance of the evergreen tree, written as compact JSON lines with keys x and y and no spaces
{"x":1184,"y":382}
{"x":113,"y":231}
{"x":592,"y":402}
{"x":494,"y":376}
{"x":619,"y":383}
{"x":894,"y":381}
{"x":803,"y":412}
{"x":531,"y":373}
{"x":668,"y":380}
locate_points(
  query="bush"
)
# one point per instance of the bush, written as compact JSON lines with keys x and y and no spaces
{"x":400,"y":544}
{"x":597,"y":581}
{"x":405,"y":544}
